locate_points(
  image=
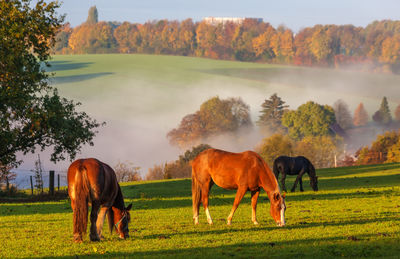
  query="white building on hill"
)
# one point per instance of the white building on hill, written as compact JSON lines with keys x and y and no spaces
{"x":237,"y":20}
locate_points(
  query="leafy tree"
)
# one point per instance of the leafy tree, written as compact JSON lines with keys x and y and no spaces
{"x":32,"y":114}
{"x":189,"y":155}
{"x":127,"y":172}
{"x":383,"y":114}
{"x":272,"y":111}
{"x":342,"y":114}
{"x":393,"y":153}
{"x":397,"y":113}
{"x":310,"y":119}
{"x":215,"y":117}
{"x":274,"y":146}
{"x":92,"y":16}
{"x":155,"y":173}
{"x":360,"y":116}
{"x":320,"y":44}
{"x":321,"y":150}
{"x":378,"y":153}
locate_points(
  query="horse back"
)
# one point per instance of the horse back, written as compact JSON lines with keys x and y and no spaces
{"x":97,"y":177}
{"x":229,"y":170}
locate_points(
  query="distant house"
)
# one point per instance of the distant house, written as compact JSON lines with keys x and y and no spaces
{"x":223,"y":20}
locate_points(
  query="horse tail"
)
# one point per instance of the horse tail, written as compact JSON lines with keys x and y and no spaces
{"x":196,"y":195}
{"x":81,"y":200}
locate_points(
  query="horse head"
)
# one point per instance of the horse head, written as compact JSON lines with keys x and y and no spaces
{"x":314,"y":183}
{"x":278,"y":208}
{"x":122,"y":220}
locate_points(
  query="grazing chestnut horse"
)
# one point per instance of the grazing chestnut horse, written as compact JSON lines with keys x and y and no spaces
{"x":91,"y":181}
{"x":243,"y":172}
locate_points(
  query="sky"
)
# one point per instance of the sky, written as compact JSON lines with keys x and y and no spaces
{"x":295,"y":14}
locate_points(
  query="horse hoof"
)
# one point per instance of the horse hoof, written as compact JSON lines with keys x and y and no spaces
{"x":94,"y":238}
{"x":255,"y":223}
{"x":228,"y":223}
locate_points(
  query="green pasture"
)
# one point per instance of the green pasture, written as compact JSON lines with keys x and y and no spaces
{"x":355,"y":214}
{"x":147,"y":84}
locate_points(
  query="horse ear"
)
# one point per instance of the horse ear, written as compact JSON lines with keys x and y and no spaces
{"x":284,"y":195}
{"x":129,"y":207}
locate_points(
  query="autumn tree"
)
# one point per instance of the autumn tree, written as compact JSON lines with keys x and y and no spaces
{"x":360,"y":116}
{"x":383,"y":114}
{"x":272,"y":111}
{"x":378,"y":152}
{"x":215,"y":117}
{"x":127,"y":172}
{"x":275,"y":146}
{"x":62,"y":38}
{"x":342,"y":114}
{"x":32,"y":114}
{"x":320,"y":150}
{"x":321,"y":44}
{"x":397,"y":113}
{"x":310,"y":119}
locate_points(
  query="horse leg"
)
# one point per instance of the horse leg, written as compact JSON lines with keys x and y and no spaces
{"x":254,"y":197}
{"x":283,"y":178}
{"x":301,"y":184}
{"x":100,"y":221}
{"x":239,"y":196}
{"x":205,"y":189}
{"x":93,"y":218}
{"x":297,"y":180}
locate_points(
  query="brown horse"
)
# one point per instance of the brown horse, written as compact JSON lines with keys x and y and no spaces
{"x":245,"y":171}
{"x":91,"y":181}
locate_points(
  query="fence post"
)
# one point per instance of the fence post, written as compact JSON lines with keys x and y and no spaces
{"x":51,"y":183}
{"x":31,"y":184}
{"x":58,"y":181}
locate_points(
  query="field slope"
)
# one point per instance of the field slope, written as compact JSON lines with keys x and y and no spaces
{"x":356,"y":213}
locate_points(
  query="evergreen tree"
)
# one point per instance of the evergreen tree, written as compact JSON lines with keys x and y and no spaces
{"x":383,"y":114}
{"x":360,"y":116}
{"x":272,"y":111}
{"x":92,"y":16}
{"x":342,"y":114}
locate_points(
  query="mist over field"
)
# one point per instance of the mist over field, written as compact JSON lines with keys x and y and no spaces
{"x":142,"y":97}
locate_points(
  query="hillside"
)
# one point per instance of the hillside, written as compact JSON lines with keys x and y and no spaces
{"x":355,"y":214}
{"x":142,"y":97}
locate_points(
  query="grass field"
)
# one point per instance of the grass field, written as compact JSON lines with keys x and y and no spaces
{"x":355,"y":214}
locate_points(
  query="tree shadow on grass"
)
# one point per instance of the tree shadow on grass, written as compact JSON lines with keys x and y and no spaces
{"x":346,"y":171}
{"x":67,"y":65}
{"x":299,"y":225}
{"x":329,"y":247}
{"x":77,"y":78}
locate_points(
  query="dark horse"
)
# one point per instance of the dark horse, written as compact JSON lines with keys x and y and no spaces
{"x":298,"y":165}
{"x":91,"y":181}
{"x":243,"y":172}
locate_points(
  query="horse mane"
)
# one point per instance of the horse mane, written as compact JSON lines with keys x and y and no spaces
{"x":118,"y":204}
{"x":269,"y":174}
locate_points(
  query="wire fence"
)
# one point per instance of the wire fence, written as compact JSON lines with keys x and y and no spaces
{"x":23,"y":179}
